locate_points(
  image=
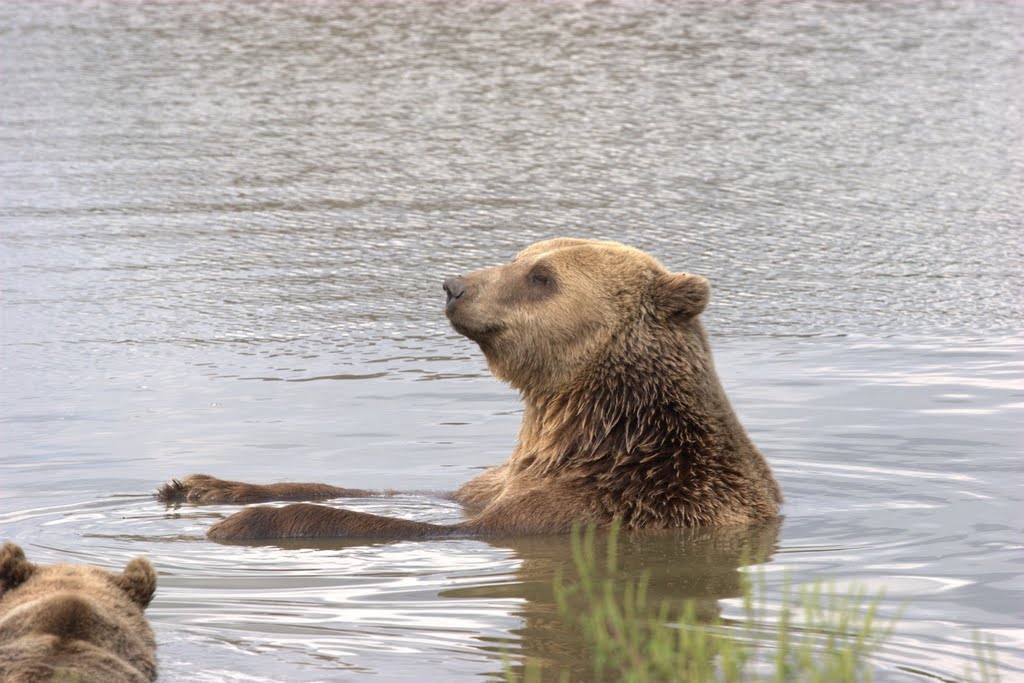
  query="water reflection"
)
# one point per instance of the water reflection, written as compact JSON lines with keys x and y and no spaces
{"x":699,"y":565}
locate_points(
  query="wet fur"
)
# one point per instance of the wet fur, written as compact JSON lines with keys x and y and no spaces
{"x":74,"y":623}
{"x":624,"y":415}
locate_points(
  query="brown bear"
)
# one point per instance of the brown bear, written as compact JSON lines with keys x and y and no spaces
{"x":67,"y":622}
{"x":624,"y":416}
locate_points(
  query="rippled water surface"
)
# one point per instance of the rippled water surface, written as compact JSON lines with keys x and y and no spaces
{"x":223,"y":228}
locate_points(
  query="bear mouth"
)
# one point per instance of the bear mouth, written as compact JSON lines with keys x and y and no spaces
{"x":477,"y":332}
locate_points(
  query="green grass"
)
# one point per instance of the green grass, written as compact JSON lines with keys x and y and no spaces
{"x":816,"y":635}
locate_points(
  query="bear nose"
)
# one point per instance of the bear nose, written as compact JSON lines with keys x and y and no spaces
{"x":455,"y":288}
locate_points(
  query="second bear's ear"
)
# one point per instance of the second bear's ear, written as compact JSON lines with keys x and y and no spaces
{"x":138,"y":580}
{"x":14,"y":568}
{"x":683,"y":294}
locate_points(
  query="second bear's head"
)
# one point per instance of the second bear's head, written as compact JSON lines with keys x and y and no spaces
{"x":564,"y":307}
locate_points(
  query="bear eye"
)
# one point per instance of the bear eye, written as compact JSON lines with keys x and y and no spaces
{"x":539,"y":279}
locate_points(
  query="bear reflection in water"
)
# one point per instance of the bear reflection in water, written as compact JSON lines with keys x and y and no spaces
{"x":624,"y":419}
{"x":698,"y":564}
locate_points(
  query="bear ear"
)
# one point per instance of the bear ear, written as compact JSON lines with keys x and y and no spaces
{"x":138,"y":580}
{"x":14,"y":568}
{"x":683,"y":294}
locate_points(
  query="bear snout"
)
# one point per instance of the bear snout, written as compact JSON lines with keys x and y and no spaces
{"x":454,"y":287}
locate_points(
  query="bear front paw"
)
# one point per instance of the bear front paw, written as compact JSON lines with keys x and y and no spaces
{"x":202,"y":488}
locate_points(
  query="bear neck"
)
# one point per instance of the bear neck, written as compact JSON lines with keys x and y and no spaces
{"x":647,"y":400}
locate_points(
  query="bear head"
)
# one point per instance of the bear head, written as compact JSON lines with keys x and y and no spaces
{"x":563,"y":305}
{"x":137,"y":582}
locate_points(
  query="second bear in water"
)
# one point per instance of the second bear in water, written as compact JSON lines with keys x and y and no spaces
{"x":69,"y":622}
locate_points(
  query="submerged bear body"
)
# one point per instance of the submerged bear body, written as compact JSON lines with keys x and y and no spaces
{"x":624,"y":417}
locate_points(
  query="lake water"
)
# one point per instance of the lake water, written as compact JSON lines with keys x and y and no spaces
{"x":223,"y":229}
